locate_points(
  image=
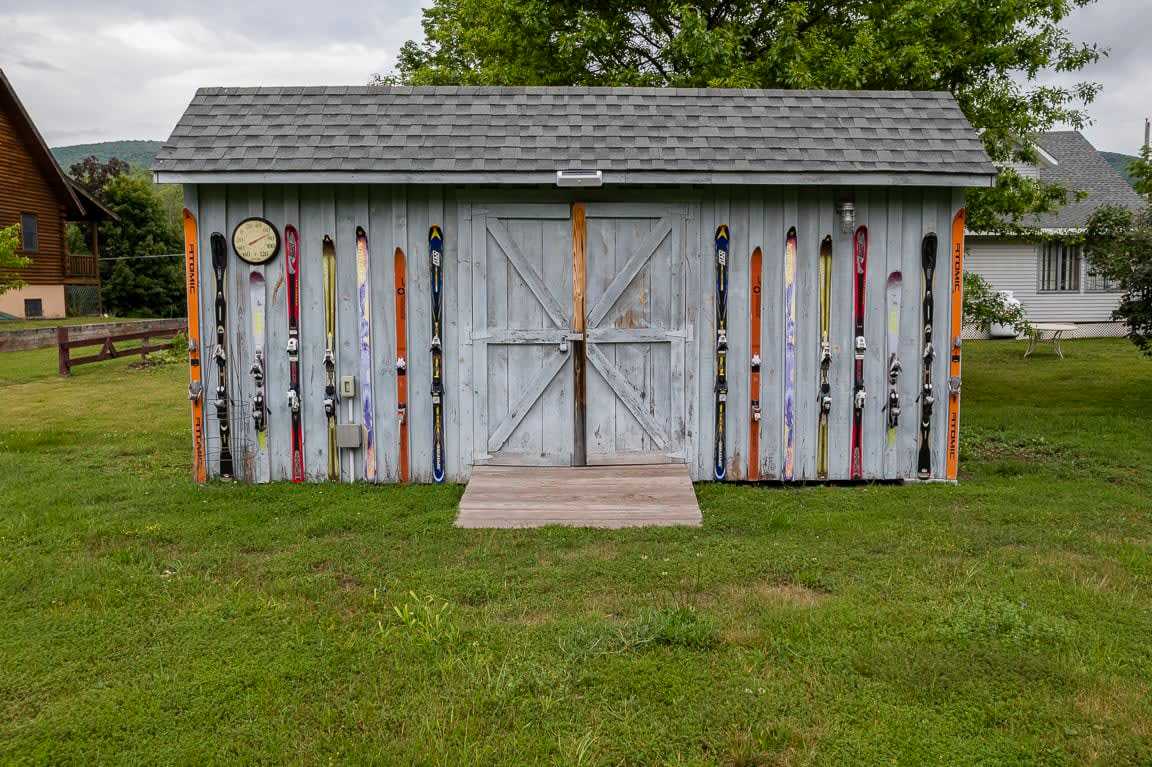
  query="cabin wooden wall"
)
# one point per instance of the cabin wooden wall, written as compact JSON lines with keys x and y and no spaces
{"x":897,"y":220}
{"x":24,"y":189}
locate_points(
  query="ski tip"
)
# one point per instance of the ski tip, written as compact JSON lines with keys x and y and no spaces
{"x":791,"y":234}
{"x":861,"y":233}
{"x":722,"y":232}
{"x":219,"y":250}
{"x":327,"y":241}
{"x":826,"y":244}
{"x":929,"y":249}
{"x":361,"y":234}
{"x":256,"y":278}
{"x":895,"y":277}
{"x":435,"y":233}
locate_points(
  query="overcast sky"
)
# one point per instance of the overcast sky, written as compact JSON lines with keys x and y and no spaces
{"x":128,"y":69}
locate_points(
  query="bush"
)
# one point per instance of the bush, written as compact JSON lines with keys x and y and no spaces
{"x":985,"y":307}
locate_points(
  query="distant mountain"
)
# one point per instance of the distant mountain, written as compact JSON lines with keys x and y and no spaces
{"x":1120,"y":162}
{"x":136,"y":153}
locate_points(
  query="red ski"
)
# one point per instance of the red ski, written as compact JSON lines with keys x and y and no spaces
{"x":860,"y":252}
{"x":291,"y":266}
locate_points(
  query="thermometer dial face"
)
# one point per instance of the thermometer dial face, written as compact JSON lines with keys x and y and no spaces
{"x":256,"y":241}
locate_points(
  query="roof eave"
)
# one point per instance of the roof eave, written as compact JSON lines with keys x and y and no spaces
{"x":611,"y":178}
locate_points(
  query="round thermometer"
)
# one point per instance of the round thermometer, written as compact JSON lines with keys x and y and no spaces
{"x":256,"y":241}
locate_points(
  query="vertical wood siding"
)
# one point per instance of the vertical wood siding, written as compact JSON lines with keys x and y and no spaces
{"x":401,"y":216}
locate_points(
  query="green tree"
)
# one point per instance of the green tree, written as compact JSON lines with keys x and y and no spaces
{"x":988,"y":53}
{"x":132,"y":283}
{"x":1141,"y":172}
{"x":11,"y":262}
{"x":1118,"y":245}
{"x":96,"y":175}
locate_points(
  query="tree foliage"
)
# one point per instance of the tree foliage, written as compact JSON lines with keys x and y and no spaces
{"x":988,"y":53}
{"x":11,"y":262}
{"x":1118,"y":245}
{"x":95,"y":175}
{"x":1141,"y":172}
{"x":984,"y":306}
{"x":133,"y":284}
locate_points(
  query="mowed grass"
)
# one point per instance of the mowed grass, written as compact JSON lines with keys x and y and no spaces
{"x":1003,"y":621}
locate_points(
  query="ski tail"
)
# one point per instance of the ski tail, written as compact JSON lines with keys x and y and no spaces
{"x":195,"y":367}
{"x":825,"y":392}
{"x":436,"y":266}
{"x":755,"y":267}
{"x":927,"y":392}
{"x":952,"y":455}
{"x":720,"y":462}
{"x":364,"y":301}
{"x":292,"y":280}
{"x":789,"y":470}
{"x":401,"y":283}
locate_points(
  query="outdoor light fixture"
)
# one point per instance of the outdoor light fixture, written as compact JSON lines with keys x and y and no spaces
{"x":579,"y":178}
{"x":846,"y":210}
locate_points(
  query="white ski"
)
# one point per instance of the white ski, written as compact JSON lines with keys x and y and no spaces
{"x":892,"y":297}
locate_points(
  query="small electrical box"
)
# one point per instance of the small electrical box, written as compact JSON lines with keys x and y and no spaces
{"x":348,"y":388}
{"x":348,"y":435}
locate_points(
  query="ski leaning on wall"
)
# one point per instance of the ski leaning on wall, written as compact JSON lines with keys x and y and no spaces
{"x":927,"y":396}
{"x":825,"y":290}
{"x":860,"y":260}
{"x":259,"y":410}
{"x":292,"y":277}
{"x":893,"y":296}
{"x":720,"y":457}
{"x":789,"y":355}
{"x":364,"y":302}
{"x":953,"y":454}
{"x":756,"y":275}
{"x":400,"y":268}
{"x":328,"y":267}
{"x":436,"y":264}
{"x":220,"y":268}
{"x":195,"y":370}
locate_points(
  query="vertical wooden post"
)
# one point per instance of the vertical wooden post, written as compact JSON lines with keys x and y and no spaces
{"x":62,"y":350}
{"x":579,"y":280}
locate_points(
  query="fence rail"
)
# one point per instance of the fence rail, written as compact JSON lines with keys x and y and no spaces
{"x":166,"y":331}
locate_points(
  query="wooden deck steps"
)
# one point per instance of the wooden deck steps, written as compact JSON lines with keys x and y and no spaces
{"x":584,"y":496}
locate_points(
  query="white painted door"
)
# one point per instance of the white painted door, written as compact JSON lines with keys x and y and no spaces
{"x":636,"y":332}
{"x":521,"y":339}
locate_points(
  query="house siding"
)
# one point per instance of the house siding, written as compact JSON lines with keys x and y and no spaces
{"x":24,"y":189}
{"x":1015,"y":265}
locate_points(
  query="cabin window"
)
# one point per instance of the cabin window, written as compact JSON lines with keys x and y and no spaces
{"x":29,"y":232}
{"x":1060,"y":268}
{"x":33,"y":308}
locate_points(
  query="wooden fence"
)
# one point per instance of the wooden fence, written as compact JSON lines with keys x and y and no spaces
{"x":164,"y":331}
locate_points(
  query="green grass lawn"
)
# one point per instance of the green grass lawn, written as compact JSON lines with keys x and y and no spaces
{"x":6,"y":325}
{"x":1004,"y":621}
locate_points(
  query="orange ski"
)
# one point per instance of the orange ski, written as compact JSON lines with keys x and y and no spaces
{"x":754,"y":386}
{"x":195,"y":373}
{"x":953,"y":452}
{"x":402,"y":361}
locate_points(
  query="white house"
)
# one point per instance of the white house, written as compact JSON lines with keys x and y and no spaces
{"x":1048,"y":275}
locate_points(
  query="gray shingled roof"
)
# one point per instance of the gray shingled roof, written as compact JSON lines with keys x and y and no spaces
{"x":448,"y":130}
{"x":1081,"y":168}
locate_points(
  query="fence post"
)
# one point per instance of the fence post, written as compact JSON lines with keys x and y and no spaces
{"x":144,"y":350}
{"x":62,"y":350}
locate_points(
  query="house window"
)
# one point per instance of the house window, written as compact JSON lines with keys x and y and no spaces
{"x":1099,"y":283}
{"x":29,"y":232}
{"x":33,"y":308}
{"x":1060,"y":267}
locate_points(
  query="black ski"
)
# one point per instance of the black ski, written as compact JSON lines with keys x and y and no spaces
{"x":927,"y":398}
{"x":435,"y":256}
{"x":720,"y":469}
{"x":220,"y":266}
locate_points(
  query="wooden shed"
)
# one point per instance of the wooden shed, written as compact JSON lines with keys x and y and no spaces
{"x":580,"y":275}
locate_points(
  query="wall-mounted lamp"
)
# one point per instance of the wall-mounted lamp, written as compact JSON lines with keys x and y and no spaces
{"x":579,"y":178}
{"x":846,"y":211}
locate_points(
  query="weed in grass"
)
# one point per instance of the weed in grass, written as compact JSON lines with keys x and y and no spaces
{"x":426,"y":619}
{"x":679,"y":627}
{"x":1001,"y":620}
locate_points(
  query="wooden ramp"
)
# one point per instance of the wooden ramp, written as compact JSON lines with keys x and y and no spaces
{"x":584,"y":496}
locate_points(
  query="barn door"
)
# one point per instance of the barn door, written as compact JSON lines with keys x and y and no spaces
{"x":635,"y":334}
{"x":521,"y":305}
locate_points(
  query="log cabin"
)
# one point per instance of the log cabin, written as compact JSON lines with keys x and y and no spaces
{"x":38,"y":195}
